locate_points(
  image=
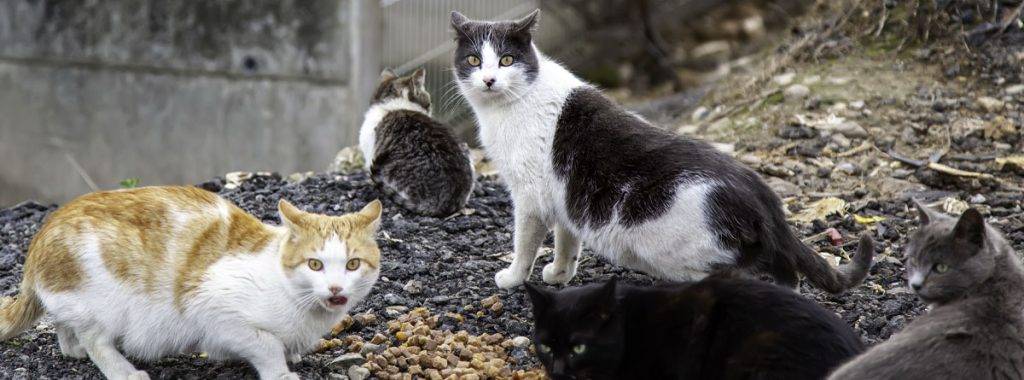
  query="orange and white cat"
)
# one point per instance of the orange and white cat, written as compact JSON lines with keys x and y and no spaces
{"x":160,"y":271}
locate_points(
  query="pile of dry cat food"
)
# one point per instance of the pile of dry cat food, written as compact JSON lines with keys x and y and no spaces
{"x":415,"y":347}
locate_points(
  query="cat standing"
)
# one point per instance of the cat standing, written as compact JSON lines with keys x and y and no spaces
{"x":973,"y":281}
{"x":718,"y":328}
{"x":642,"y":197}
{"x":160,"y":271}
{"x":412,"y":154}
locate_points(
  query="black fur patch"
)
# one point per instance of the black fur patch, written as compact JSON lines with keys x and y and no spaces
{"x":421,"y":158}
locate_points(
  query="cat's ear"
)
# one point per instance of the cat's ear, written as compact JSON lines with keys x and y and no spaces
{"x":387,"y":74}
{"x":419,"y":77}
{"x":459,"y":22}
{"x":371,"y":213}
{"x":970,"y":228}
{"x":539,"y":297}
{"x":527,"y":23}
{"x":290,"y":215}
{"x":925,"y":214}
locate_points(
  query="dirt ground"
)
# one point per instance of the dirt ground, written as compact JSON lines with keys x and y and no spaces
{"x":846,"y":135}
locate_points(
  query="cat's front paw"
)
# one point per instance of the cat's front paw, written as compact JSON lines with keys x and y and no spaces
{"x":558,"y":276}
{"x":289,"y":376}
{"x":508,"y":278}
{"x":138,"y":375}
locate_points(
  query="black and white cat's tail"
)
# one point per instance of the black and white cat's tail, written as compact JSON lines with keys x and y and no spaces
{"x":823,"y":275}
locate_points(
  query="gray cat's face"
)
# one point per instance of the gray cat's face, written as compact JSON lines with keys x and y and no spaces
{"x":947,"y":257}
{"x":494,"y":60}
{"x":411,"y":88}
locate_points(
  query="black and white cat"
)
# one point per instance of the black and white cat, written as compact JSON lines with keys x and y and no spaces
{"x":644,"y":198}
{"x":410,"y":153}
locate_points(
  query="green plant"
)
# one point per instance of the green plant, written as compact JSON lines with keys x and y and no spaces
{"x":129,"y":183}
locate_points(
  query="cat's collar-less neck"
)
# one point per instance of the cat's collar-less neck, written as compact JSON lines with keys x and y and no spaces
{"x":399,"y":104}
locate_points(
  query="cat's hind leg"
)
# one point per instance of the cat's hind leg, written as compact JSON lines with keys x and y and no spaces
{"x":68,"y":341}
{"x":101,"y":349}
{"x":567,"y":253}
{"x":529,"y":233}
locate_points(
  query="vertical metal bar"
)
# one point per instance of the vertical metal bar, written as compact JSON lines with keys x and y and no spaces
{"x":366,"y":28}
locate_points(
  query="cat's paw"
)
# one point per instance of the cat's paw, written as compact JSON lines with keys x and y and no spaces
{"x":558,"y":276}
{"x":138,"y":375}
{"x":294,"y":358}
{"x":508,"y":278}
{"x":77,"y":352}
{"x":289,"y":376}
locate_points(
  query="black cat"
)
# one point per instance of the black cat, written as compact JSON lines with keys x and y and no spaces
{"x":719,"y":328}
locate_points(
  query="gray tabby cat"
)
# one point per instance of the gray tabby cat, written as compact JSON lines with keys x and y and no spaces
{"x":412,"y":154}
{"x":973,"y":281}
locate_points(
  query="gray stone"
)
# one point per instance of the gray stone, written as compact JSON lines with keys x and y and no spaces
{"x":991,"y":104}
{"x":413,"y":287}
{"x":358,"y":373}
{"x":347,"y":360}
{"x":521,"y":341}
{"x":796,"y":92}
{"x":337,"y":376}
{"x":847,"y":168}
{"x":1016,"y":89}
{"x":783,"y":188}
{"x":369,"y":348}
{"x":977,"y":198}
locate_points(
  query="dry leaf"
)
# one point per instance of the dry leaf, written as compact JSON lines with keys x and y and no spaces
{"x":822,"y":209}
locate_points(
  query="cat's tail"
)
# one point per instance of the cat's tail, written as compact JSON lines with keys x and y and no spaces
{"x":18,"y":314}
{"x":823,"y":275}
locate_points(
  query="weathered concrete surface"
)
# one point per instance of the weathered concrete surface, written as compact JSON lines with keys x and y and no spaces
{"x":167,"y":91}
{"x":161,"y":129}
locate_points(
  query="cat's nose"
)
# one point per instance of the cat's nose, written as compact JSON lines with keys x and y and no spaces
{"x":489,"y":82}
{"x":915,"y":285}
{"x":335,"y":290}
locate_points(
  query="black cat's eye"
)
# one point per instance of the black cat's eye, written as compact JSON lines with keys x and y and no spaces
{"x":315,"y":265}
{"x":473,"y":60}
{"x":579,"y":349}
{"x":543,"y":348}
{"x":941,"y":268}
{"x":507,"y":60}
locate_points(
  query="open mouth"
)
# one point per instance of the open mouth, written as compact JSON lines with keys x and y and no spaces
{"x":337,"y":301}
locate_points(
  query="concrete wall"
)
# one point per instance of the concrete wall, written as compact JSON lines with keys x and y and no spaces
{"x":167,"y":91}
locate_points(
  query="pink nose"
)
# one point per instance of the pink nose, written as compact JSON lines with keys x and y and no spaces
{"x":335,"y":289}
{"x":489,"y":82}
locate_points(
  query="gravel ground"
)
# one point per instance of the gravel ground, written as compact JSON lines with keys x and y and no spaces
{"x":453,"y":261}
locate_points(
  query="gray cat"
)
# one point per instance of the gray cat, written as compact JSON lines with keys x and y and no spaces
{"x":410,"y":153}
{"x":973,"y":281}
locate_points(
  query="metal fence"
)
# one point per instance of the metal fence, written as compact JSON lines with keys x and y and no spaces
{"x":417,"y":34}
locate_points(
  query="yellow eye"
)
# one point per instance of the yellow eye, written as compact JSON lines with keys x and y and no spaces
{"x":473,"y":60}
{"x":579,"y":349}
{"x":352,"y":264}
{"x":544,"y":348}
{"x":941,"y":268}
{"x":315,"y":264}
{"x":506,"y":60}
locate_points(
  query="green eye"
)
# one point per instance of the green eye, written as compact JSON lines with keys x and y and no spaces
{"x":941,"y":268}
{"x":352,"y":264}
{"x":473,"y":60}
{"x":579,"y":349}
{"x":544,"y":348}
{"x":315,"y":264}
{"x":506,"y":60}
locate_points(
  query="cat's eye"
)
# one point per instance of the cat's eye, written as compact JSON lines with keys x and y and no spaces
{"x":473,"y":60}
{"x":507,"y":60}
{"x":315,"y":264}
{"x":579,"y":349}
{"x":544,"y":348}
{"x":352,"y":264}
{"x":941,"y":268}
